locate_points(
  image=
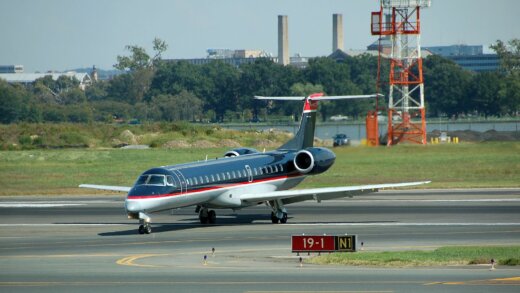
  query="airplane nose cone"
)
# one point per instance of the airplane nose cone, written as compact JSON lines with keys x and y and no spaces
{"x":132,"y":206}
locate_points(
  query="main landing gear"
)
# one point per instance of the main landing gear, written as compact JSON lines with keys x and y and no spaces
{"x":276,"y":220}
{"x":279,"y":213}
{"x":206,"y":216}
{"x":145,"y":229}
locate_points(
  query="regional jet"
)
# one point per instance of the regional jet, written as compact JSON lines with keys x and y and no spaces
{"x":244,"y":177}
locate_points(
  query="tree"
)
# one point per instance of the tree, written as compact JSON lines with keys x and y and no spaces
{"x":446,"y":86}
{"x":139,"y":58}
{"x":509,"y":55}
{"x":10,"y":103}
{"x":184,"y":106}
{"x":485,"y":91}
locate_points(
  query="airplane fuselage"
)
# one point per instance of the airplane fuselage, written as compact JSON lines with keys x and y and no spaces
{"x":219,"y":183}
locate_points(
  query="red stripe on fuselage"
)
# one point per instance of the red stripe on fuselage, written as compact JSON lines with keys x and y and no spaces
{"x":202,"y":189}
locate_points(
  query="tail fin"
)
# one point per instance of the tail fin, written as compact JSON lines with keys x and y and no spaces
{"x":304,"y":138}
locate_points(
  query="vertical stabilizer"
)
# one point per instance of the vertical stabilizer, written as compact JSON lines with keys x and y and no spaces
{"x":304,"y":138}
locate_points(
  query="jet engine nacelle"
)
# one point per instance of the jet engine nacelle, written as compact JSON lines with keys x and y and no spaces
{"x":313,"y":160}
{"x":239,"y":152}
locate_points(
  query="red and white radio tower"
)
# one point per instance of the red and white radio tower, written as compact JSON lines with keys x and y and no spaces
{"x":400,"y":20}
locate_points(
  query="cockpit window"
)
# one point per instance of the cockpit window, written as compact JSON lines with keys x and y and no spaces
{"x":142,"y":180}
{"x":157,"y":180}
{"x":169,"y":181}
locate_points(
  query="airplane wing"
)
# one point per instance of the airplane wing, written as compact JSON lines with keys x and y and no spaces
{"x":107,"y":187}
{"x":292,"y":196}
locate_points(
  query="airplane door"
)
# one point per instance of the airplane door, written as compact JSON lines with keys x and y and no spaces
{"x":249,"y":174}
{"x":181,"y":180}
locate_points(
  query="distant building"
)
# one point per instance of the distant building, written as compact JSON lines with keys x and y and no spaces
{"x":456,"y":50}
{"x":477,"y":63}
{"x":229,"y":56}
{"x":11,"y":68}
{"x":27,"y":78}
{"x":469,"y":57}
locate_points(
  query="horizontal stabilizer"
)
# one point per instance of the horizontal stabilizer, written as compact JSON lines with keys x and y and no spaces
{"x":107,"y":187}
{"x":318,"y":97}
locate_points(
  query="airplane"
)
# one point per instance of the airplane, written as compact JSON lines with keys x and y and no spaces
{"x":244,"y":177}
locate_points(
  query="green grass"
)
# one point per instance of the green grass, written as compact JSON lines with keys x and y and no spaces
{"x":26,"y":136}
{"x":450,"y":255}
{"x":494,"y":164}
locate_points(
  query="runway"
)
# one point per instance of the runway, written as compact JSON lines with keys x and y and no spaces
{"x":86,"y":244}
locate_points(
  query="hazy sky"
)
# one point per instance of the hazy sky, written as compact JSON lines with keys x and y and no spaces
{"x":65,"y":34}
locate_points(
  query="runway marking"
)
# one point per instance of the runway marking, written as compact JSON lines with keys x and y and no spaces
{"x":356,"y":291}
{"x":135,"y":284}
{"x":49,"y":204}
{"x":64,"y":225}
{"x":38,"y":205}
{"x":129,"y":260}
{"x":430,"y":200}
{"x":402,"y":224}
{"x":267,"y":224}
{"x":513,"y":281}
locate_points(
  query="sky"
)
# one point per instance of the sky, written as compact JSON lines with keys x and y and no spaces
{"x":66,"y":34}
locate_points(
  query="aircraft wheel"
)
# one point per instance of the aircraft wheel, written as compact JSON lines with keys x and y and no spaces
{"x":212,"y":217}
{"x":148,"y":229}
{"x":283,"y":220}
{"x":203,"y":220}
{"x":141,"y":229}
{"x":274,"y":218}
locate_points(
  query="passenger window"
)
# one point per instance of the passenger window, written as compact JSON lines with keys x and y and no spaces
{"x":189,"y":181}
{"x":207,"y":179}
{"x":218,"y":177}
{"x":200,"y":180}
{"x":195,"y":180}
{"x":228,"y":175}
{"x":275,"y":169}
{"x":281,"y":168}
{"x":212,"y":178}
{"x":256,"y":172}
{"x":223,"y":176}
{"x":244,"y":173}
{"x":234,"y":175}
{"x":261,"y":170}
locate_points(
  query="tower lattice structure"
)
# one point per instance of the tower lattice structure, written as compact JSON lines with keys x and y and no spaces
{"x":399,"y":20}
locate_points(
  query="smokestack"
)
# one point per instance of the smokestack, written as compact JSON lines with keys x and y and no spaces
{"x":283,"y":40}
{"x":337,"y":32}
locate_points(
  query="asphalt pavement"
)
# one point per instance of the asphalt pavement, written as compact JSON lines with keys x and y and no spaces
{"x":86,"y":243}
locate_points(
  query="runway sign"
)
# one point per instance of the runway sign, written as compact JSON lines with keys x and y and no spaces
{"x":346,"y":243}
{"x":323,"y":243}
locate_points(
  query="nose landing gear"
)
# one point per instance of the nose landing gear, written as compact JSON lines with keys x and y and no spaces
{"x":145,"y":226}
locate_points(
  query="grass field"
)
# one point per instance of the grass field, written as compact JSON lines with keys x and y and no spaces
{"x":451,"y":255}
{"x":494,"y":164}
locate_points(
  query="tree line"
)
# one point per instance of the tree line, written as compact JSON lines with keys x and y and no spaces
{"x":153,"y":89}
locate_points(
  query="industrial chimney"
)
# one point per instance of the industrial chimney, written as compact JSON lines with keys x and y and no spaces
{"x":283,"y":40}
{"x":337,"y":32}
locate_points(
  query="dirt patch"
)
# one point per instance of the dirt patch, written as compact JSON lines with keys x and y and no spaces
{"x":229,"y":143}
{"x":265,"y":143}
{"x":173,"y":144}
{"x":475,"y":136}
{"x":128,"y":137}
{"x":203,"y":144}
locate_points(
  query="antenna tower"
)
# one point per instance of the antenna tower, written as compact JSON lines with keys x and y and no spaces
{"x":400,"y":21}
